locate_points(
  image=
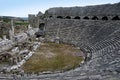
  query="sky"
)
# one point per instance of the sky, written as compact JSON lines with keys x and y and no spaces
{"x":21,"y":8}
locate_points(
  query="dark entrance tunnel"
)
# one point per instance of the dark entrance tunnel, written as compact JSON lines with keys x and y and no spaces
{"x":60,"y":17}
{"x":116,"y":18}
{"x":94,"y":18}
{"x":41,"y":32}
{"x":50,"y":16}
{"x":105,"y":18}
{"x":67,"y":17}
{"x":86,"y":18}
{"x":77,"y":17}
{"x":41,"y":26}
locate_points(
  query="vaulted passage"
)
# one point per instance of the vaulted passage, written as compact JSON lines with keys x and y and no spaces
{"x":60,"y":17}
{"x":50,"y":16}
{"x":77,"y":17}
{"x":105,"y":18}
{"x":94,"y":18}
{"x":41,"y":32}
{"x":87,"y":18}
{"x":116,"y":18}
{"x":41,"y":26}
{"x":68,"y":17}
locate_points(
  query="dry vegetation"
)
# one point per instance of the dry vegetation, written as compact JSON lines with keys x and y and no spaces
{"x":53,"y":57}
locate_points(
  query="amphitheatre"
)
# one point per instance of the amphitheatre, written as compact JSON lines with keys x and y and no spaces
{"x":95,"y":30}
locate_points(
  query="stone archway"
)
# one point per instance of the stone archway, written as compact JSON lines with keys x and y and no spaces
{"x":41,"y":32}
{"x":67,"y":17}
{"x":115,"y":18}
{"x":76,"y":17}
{"x":105,"y":18}
{"x":50,"y":16}
{"x":60,"y":17}
{"x":86,"y":18}
{"x":42,"y":26}
{"x":95,"y":18}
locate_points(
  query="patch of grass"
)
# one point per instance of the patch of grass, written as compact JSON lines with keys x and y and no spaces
{"x":22,"y":23}
{"x":53,"y":57}
{"x":5,"y":61}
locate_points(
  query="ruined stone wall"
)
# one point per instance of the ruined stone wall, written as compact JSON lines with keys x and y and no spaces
{"x":33,"y":20}
{"x":107,"y":9}
{"x":4,"y":29}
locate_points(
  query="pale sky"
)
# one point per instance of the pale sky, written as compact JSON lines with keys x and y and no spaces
{"x":21,"y":8}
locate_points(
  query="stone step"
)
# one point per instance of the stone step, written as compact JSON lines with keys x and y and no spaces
{"x":107,"y":49}
{"x":114,"y":37}
{"x":105,"y":43}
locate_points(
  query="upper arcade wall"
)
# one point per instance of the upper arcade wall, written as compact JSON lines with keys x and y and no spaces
{"x":107,"y":9}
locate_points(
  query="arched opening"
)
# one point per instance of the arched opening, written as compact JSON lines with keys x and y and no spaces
{"x":60,"y":17}
{"x":41,"y":32}
{"x":68,"y":17}
{"x":87,"y":18}
{"x":41,"y":26}
{"x":105,"y":18}
{"x":77,"y":17}
{"x":116,"y":18}
{"x":50,"y":16}
{"x":95,"y":18}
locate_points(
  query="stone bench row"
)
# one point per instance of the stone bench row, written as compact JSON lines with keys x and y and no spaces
{"x":104,"y":32}
{"x":108,"y":52}
{"x":76,"y":33}
{"x":106,"y":62}
{"x":105,"y":43}
{"x":81,"y":29}
{"x":115,"y":33}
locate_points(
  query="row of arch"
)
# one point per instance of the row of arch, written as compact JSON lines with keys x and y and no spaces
{"x":88,"y":18}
